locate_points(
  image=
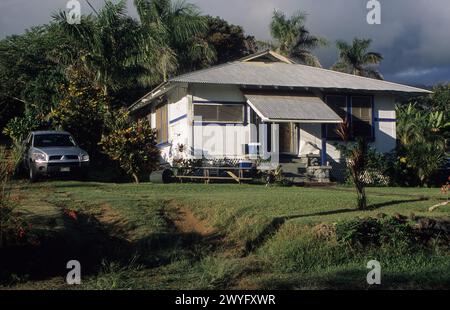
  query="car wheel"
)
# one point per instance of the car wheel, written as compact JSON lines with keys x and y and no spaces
{"x":32,"y":174}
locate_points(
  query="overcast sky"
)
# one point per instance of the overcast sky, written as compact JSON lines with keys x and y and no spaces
{"x":414,"y":35}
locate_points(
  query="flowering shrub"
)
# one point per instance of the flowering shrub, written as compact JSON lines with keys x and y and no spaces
{"x":131,"y":144}
{"x":375,"y":178}
{"x":81,"y":111}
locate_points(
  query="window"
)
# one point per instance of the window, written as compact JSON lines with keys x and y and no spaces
{"x":53,"y":140}
{"x":360,"y":115}
{"x":221,"y":113}
{"x":339,"y":105}
{"x":162,"y":124}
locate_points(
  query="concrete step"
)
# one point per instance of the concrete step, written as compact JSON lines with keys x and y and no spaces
{"x":286,"y":159}
{"x":292,"y":168}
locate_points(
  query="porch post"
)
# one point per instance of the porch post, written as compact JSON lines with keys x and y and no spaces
{"x":323,"y":154}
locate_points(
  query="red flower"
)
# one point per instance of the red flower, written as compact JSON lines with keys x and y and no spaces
{"x":72,"y":214}
{"x":21,"y":232}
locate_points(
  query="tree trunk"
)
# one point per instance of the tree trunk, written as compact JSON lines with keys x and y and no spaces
{"x":105,"y":90}
{"x":361,"y":192}
{"x":135,"y":178}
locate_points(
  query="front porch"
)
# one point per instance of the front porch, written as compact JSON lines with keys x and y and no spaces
{"x":292,"y":129}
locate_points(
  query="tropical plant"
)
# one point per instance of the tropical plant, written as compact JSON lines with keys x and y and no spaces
{"x":356,"y":155}
{"x":29,"y":73}
{"x":292,"y":39}
{"x":109,"y":45}
{"x":174,"y":31}
{"x":81,"y":110}
{"x":422,"y":143}
{"x":18,"y":128}
{"x":356,"y":163}
{"x":131,"y":144}
{"x":355,"y":59}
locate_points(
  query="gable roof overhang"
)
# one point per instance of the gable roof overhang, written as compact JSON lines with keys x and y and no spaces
{"x":155,"y":94}
{"x":291,"y":76}
{"x":254,"y":71}
{"x":267,"y":54}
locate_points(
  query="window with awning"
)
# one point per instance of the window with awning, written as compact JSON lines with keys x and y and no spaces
{"x":306,"y":108}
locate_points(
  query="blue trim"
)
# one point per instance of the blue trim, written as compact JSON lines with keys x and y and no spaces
{"x":178,"y":119}
{"x":218,"y":124}
{"x":323,"y":155}
{"x":349,"y":111}
{"x":217,"y":102}
{"x":373,"y":116}
{"x":246,"y":106}
{"x":393,"y":120}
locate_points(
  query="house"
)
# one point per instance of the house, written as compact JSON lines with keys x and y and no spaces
{"x":266,"y":105}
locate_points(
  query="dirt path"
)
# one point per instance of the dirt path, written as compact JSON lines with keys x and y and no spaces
{"x":113,"y":221}
{"x":183,"y":220}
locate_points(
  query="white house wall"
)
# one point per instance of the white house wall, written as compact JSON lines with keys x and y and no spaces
{"x":220,"y":140}
{"x":178,"y":123}
{"x":233,"y":138}
{"x":384,"y":125}
{"x":217,"y":93}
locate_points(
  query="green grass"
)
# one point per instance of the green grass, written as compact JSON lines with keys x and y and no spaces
{"x":275,"y":220}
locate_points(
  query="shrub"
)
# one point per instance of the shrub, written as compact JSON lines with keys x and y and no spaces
{"x":375,"y":232}
{"x":18,"y":128}
{"x":186,"y":166}
{"x":422,"y":142}
{"x":13,"y":228}
{"x":131,"y":144}
{"x":81,"y":111}
{"x":296,"y":248}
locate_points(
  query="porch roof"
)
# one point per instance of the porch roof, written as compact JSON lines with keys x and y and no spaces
{"x":305,"y":108}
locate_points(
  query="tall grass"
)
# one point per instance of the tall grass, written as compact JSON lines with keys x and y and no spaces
{"x":116,"y":276}
{"x":11,"y":224}
{"x":296,"y":252}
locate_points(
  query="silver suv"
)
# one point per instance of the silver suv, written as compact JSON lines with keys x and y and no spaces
{"x":53,"y":152}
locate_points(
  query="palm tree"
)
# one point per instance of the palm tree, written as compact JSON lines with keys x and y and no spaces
{"x":107,"y":46}
{"x":355,"y":59}
{"x":176,"y":27}
{"x":292,"y":38}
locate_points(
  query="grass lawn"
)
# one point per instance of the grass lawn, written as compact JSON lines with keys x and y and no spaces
{"x":195,"y":236}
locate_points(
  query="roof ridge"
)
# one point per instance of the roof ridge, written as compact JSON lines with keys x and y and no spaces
{"x":360,"y":77}
{"x":201,"y":71}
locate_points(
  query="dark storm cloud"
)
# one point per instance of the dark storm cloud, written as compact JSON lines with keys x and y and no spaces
{"x":413,"y":37}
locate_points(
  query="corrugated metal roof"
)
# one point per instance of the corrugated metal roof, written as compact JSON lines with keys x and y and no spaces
{"x":292,"y":107}
{"x":289,"y":75}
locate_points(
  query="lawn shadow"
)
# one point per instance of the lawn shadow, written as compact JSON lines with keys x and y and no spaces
{"x":395,"y":202}
{"x":84,"y":238}
{"x":274,"y":226}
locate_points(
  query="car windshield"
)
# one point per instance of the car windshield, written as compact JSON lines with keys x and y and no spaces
{"x":52,"y":140}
